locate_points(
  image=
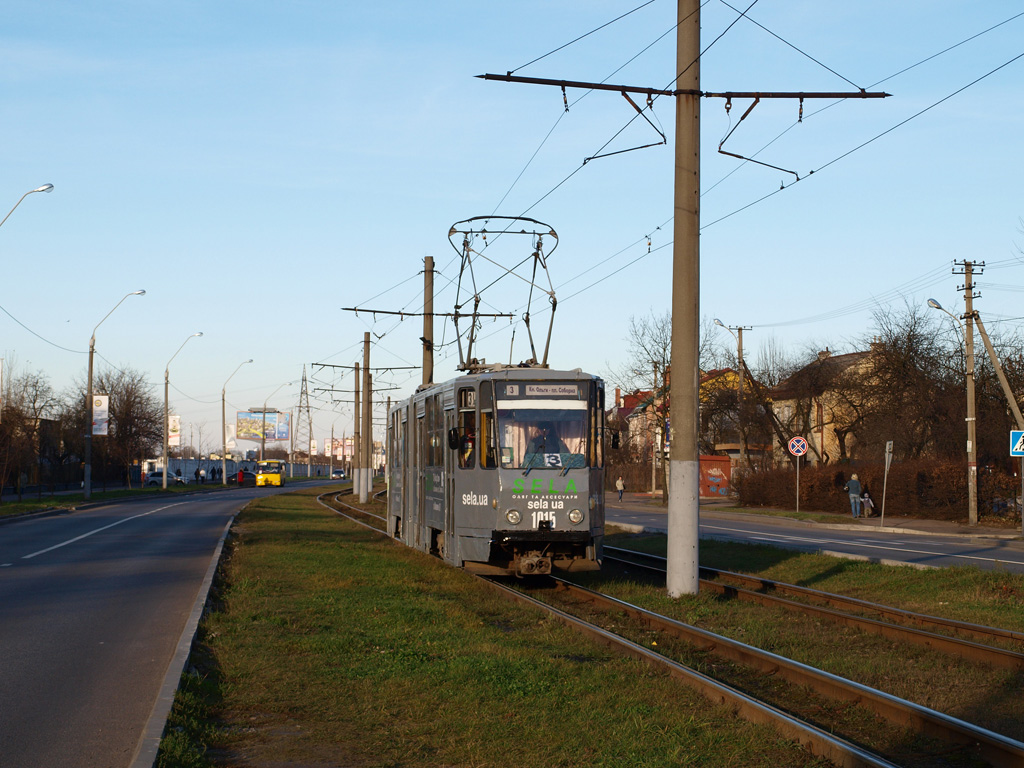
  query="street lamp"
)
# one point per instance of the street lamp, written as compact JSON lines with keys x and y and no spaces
{"x":87,"y":485}
{"x":739,"y":385}
{"x":167,"y":378}
{"x":263,"y":432}
{"x":224,"y":424}
{"x":972,"y":423}
{"x":44,"y":188}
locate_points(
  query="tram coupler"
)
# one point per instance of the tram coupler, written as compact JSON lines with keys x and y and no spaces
{"x":533,"y":566}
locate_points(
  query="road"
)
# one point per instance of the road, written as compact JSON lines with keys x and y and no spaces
{"x":919,"y":543}
{"x":92,"y":606}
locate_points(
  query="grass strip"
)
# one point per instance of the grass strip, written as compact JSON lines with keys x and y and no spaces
{"x":331,"y":645}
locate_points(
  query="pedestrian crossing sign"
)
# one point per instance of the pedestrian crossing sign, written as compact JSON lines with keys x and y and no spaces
{"x":1017,"y":442}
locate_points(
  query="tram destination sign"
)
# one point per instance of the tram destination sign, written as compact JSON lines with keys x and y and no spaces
{"x":542,"y":390}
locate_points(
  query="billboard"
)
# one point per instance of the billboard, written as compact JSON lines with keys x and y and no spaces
{"x":249,"y":425}
{"x":173,"y":431}
{"x":100,"y":414}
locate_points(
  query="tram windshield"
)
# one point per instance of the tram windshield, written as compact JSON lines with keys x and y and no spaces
{"x":543,"y":437}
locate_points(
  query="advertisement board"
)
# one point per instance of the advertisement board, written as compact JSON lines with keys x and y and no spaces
{"x":173,"y":431}
{"x":100,"y":414}
{"x":249,"y":425}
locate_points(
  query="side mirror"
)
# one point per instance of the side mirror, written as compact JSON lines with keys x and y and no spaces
{"x":453,"y":439}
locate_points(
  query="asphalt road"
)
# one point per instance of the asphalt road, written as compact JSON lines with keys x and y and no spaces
{"x":92,"y":605}
{"x":919,"y":543}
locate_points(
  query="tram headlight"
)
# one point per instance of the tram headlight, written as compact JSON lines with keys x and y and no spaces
{"x":513,"y":516}
{"x":575,"y":516}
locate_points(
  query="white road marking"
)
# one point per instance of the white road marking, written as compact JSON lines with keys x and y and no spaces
{"x":98,"y":530}
{"x":886,"y":547}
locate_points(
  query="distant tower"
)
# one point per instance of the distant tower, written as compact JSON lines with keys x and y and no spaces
{"x":304,"y":424}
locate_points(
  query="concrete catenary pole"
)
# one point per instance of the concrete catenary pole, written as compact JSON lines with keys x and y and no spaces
{"x":367,"y":451}
{"x":972,"y":423}
{"x":684,"y":459}
{"x":356,"y":474}
{"x":428,"y":321}
{"x":654,"y":433}
{"x":739,"y":399}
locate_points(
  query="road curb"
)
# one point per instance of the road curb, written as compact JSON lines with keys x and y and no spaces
{"x":149,"y":743}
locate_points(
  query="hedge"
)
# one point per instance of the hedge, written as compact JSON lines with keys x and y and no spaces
{"x":928,"y":488}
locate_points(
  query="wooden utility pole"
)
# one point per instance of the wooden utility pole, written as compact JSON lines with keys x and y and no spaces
{"x":972,"y":421}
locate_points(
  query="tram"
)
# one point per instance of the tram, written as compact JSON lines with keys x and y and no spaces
{"x":500,"y":471}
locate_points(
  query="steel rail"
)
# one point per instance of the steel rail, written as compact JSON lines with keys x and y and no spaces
{"x":965,"y":649}
{"x":338,"y":512}
{"x":815,"y":740}
{"x":995,"y":748}
{"x":978,"y":631}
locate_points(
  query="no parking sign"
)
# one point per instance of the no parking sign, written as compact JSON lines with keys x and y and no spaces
{"x":797,"y":447}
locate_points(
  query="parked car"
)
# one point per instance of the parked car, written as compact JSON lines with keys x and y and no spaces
{"x":157,"y":478}
{"x":248,"y":479}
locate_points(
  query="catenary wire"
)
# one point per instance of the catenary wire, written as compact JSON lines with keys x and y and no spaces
{"x":783,"y":40}
{"x":571,"y":42}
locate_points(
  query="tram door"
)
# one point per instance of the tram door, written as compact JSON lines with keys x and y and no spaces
{"x":450,"y":419}
{"x":415,"y":517}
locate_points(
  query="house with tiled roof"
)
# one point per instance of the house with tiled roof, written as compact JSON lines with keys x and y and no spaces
{"x":822,"y":402}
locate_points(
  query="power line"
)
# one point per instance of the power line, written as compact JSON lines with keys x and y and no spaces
{"x":782,"y":40}
{"x":588,"y":34}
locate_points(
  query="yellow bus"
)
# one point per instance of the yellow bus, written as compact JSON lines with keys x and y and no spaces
{"x":270,"y":473}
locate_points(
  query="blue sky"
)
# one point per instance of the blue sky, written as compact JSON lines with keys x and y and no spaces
{"x":257,"y":166}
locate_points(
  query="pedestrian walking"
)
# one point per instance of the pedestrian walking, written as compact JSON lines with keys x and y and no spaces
{"x":853,"y":488}
{"x":197,"y":475}
{"x":867,"y":504}
{"x":620,"y":487}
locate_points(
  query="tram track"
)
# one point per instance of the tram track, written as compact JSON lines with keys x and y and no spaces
{"x":971,"y":740}
{"x":357,"y":515}
{"x":810,"y":722}
{"x":922,"y":633}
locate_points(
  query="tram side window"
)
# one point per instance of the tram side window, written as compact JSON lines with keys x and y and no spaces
{"x":467,"y":428}
{"x":435,"y":429}
{"x":597,"y":426}
{"x":488,"y":433}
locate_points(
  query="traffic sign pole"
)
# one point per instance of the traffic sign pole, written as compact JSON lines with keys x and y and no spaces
{"x":798,"y":484}
{"x":797,"y":447}
{"x":1017,"y":449}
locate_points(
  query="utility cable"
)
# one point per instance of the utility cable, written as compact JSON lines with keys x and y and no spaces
{"x":869,"y":141}
{"x":786,"y":42}
{"x":571,"y":42}
{"x":42,"y":338}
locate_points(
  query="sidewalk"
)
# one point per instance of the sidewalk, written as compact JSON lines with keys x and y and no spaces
{"x":643,"y":502}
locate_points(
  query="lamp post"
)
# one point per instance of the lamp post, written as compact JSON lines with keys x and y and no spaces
{"x":87,"y":485}
{"x":224,"y":423}
{"x":44,"y":188}
{"x":739,"y":386}
{"x":167,"y":379}
{"x":263,"y":432}
{"x":972,"y":424}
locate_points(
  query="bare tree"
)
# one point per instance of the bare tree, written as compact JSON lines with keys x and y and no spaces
{"x":28,"y":399}
{"x":136,"y":421}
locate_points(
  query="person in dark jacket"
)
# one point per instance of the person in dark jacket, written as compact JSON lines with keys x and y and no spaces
{"x":853,"y":488}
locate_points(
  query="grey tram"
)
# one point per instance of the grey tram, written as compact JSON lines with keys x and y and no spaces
{"x":501,"y":471}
